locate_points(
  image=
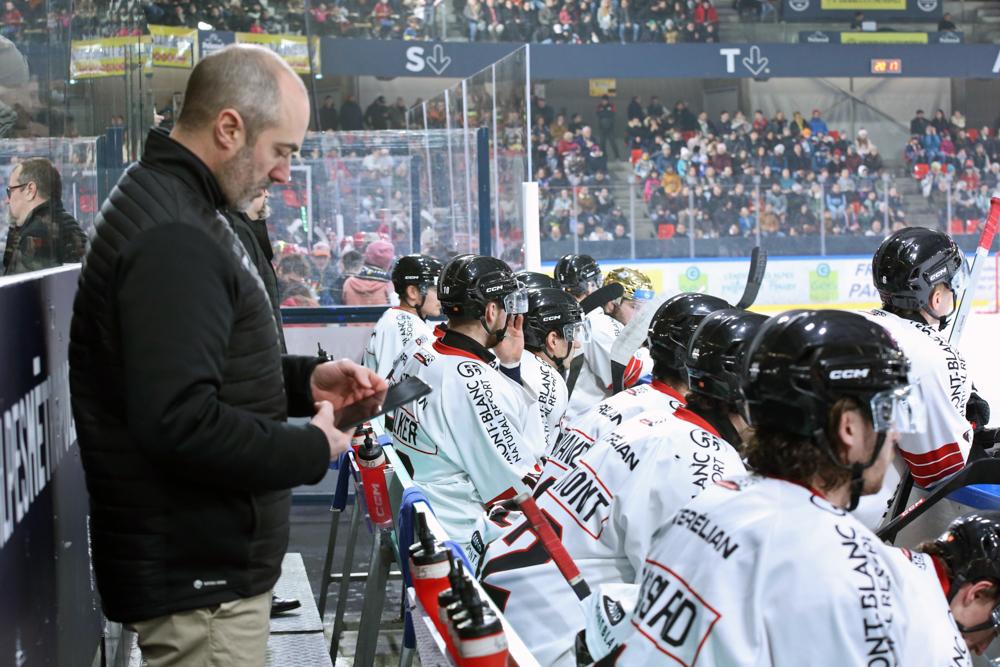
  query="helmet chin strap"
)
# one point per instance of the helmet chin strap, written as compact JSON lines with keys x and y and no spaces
{"x":420,"y":306}
{"x":499,"y":333}
{"x":560,"y":362}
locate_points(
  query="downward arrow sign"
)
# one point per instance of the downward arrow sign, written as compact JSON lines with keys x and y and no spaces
{"x":755,"y":63}
{"x":438,"y":61}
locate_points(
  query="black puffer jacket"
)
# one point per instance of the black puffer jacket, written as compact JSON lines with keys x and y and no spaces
{"x":180,"y":394}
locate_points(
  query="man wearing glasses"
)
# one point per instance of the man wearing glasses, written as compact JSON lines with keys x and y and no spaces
{"x":42,"y":233}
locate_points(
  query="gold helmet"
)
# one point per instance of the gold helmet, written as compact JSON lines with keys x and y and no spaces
{"x":637,"y":285}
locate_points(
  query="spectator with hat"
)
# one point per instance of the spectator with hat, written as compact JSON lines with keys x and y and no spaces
{"x":323,"y":273}
{"x":372,"y":285}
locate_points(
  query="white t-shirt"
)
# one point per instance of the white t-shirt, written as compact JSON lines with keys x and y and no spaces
{"x":759,"y":571}
{"x":393,"y":333}
{"x":579,"y":435}
{"x":944,"y":380}
{"x":605,"y":511}
{"x":469,"y":439}
{"x":550,"y":388}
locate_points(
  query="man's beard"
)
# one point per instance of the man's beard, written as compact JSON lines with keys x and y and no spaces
{"x":236,"y":179}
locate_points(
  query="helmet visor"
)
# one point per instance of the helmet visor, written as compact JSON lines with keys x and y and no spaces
{"x":643,"y":295}
{"x":901,"y":409}
{"x":960,"y":279}
{"x":516,"y":302}
{"x":577,"y":332}
{"x":595,"y":281}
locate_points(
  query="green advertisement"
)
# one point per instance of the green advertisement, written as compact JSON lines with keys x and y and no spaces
{"x":693,"y":280}
{"x":823,"y":284}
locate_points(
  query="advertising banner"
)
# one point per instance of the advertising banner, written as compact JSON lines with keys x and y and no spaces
{"x":874,"y":10}
{"x":96,"y":58}
{"x":173,"y":47}
{"x":802,"y":282}
{"x":49,"y":611}
{"x":210,"y":41}
{"x":292,"y":48}
{"x":881,"y":37}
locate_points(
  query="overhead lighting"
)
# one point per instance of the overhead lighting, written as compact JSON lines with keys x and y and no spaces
{"x":205,"y":26}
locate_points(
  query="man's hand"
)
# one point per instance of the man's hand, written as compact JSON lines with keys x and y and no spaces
{"x":510,"y":349}
{"x":343,"y":382}
{"x":338,"y":441}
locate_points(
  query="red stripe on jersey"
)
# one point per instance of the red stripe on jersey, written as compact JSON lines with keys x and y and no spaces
{"x":665,"y":388}
{"x":931,"y":467}
{"x":632,"y":372}
{"x":596,"y":478}
{"x":942,"y":574}
{"x":692,"y":418}
{"x":454,"y":351}
{"x":506,"y":495}
{"x":582,"y":434}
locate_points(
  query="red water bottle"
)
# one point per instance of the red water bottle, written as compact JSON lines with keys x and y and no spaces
{"x":428,"y":567}
{"x":371,"y":463}
{"x":458,"y":611}
{"x":480,"y":639}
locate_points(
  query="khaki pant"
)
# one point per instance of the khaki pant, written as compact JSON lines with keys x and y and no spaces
{"x":232,"y":633}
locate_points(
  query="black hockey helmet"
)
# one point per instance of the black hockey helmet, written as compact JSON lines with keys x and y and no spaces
{"x":468,"y":283}
{"x":803,"y":361}
{"x":419,"y":270}
{"x":534,"y":279}
{"x":908,"y":265}
{"x":551,"y":309}
{"x":577,"y":274}
{"x":971,"y":548}
{"x":673,"y":324}
{"x":716,"y":352}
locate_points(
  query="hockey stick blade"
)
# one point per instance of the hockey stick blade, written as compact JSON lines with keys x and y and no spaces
{"x":981,"y":471}
{"x":543,"y":529}
{"x":978,"y":261}
{"x":755,"y":278}
{"x":601,"y":296}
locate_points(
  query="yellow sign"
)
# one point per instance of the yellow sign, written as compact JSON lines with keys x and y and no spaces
{"x":884,"y":38}
{"x":602,"y":87}
{"x":173,"y":47}
{"x":864,"y":5}
{"x":292,"y":48}
{"x":97,"y":58}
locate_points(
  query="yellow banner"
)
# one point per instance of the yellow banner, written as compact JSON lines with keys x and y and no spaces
{"x":602,"y":87}
{"x":292,"y":48}
{"x":884,"y":38}
{"x":173,"y":47}
{"x":96,"y":58}
{"x":864,"y":5}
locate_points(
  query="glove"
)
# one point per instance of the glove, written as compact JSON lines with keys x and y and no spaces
{"x":986,"y":438}
{"x":977,"y":411}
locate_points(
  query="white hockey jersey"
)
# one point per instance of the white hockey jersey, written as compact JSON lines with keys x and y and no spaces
{"x":468,"y":439}
{"x":579,"y":435}
{"x":759,"y":571}
{"x":945,"y":383}
{"x":593,"y":384}
{"x":605,"y":511}
{"x":550,"y":388}
{"x":393,"y":333}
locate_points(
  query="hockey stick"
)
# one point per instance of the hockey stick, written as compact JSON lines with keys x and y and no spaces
{"x":631,"y":339}
{"x":755,"y":278}
{"x":982,"y":251}
{"x":601,"y":296}
{"x":557,"y":552}
{"x":980,"y":471}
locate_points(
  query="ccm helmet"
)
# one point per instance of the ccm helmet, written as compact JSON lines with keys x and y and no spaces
{"x":971,"y":548}
{"x":469,"y":283}
{"x":421,"y":271}
{"x":637,"y":285}
{"x":908,"y":265}
{"x":534,"y":280}
{"x":802,"y":362}
{"x":551,"y":309}
{"x":716,"y":350}
{"x":578,"y":274}
{"x":673,"y":324}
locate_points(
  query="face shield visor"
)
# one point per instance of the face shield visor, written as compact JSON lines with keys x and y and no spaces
{"x":516,"y":302}
{"x":901,"y":409}
{"x":577,"y":332}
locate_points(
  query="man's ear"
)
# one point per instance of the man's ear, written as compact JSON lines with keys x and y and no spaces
{"x":551,"y":340}
{"x":850,"y":432}
{"x":229,"y":130}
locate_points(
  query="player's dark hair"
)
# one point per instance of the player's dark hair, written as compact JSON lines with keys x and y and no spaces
{"x":664,"y":372}
{"x":774,"y":453}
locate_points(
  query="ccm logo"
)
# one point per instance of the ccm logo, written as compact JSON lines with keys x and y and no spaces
{"x":849,"y":373}
{"x":550,"y":318}
{"x":496,"y":288}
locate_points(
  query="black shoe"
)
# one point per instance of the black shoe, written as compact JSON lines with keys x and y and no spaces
{"x":282,"y":605}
